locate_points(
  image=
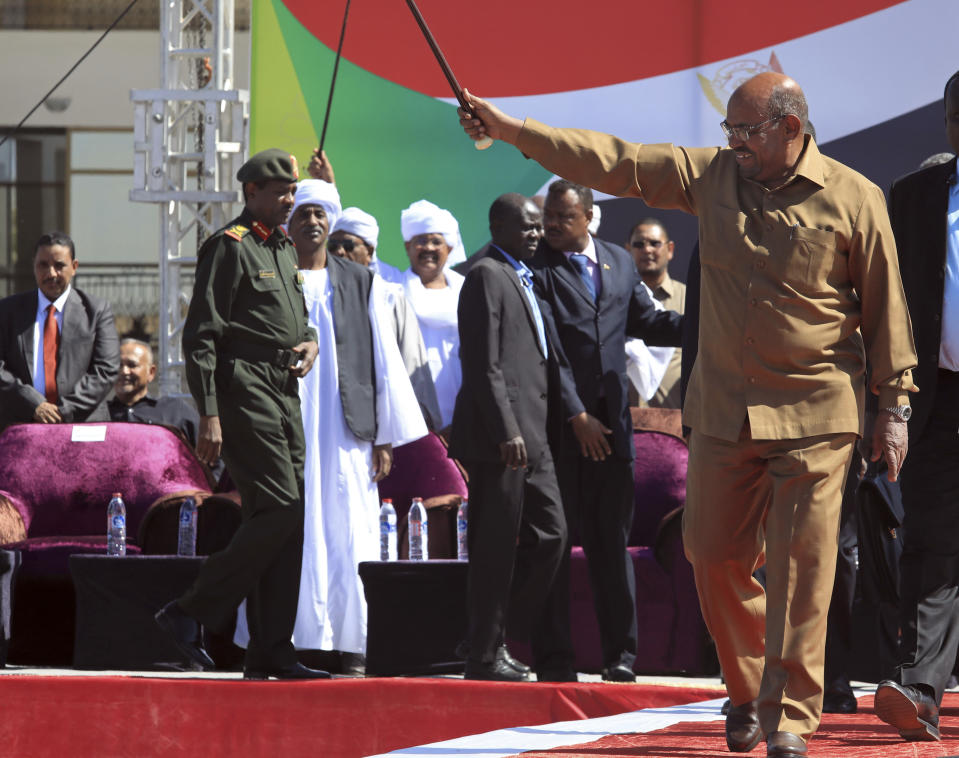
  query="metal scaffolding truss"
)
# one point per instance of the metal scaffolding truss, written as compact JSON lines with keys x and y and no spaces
{"x":190,"y":138}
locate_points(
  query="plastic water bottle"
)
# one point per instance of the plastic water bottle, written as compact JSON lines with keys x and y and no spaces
{"x":186,"y":538}
{"x":418,"y":529}
{"x":462,"y":519}
{"x":116,"y":526}
{"x":387,"y":531}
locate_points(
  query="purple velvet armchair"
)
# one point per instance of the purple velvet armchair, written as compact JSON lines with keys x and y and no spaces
{"x":54,"y":489}
{"x":422,"y":469}
{"x":672,"y":634}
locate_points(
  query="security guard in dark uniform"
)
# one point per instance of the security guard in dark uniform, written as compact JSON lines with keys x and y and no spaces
{"x":247,"y":341}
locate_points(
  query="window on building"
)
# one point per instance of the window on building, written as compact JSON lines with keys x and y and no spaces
{"x":32,"y":200}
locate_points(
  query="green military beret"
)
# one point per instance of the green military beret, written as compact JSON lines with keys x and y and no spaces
{"x":269,"y":164}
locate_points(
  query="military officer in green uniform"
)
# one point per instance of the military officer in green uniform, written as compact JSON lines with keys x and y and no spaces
{"x":247,"y":341}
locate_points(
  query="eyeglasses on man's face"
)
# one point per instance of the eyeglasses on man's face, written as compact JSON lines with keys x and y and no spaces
{"x":743,"y":132}
{"x":641,"y":242}
{"x":334,"y":245}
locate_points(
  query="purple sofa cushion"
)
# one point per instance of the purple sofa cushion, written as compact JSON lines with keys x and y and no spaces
{"x":64,"y":486}
{"x":659,"y":482}
{"x":422,"y":469}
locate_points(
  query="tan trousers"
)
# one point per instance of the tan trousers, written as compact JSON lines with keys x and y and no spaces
{"x":781,"y":499}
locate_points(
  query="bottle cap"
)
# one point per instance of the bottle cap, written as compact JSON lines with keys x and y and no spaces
{"x":118,"y":494}
{"x":417,"y":500}
{"x":388,"y":500}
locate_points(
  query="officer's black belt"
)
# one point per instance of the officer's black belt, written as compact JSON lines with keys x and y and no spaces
{"x":251,"y":351}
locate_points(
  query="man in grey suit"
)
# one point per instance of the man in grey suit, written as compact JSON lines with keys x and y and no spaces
{"x":58,"y":346}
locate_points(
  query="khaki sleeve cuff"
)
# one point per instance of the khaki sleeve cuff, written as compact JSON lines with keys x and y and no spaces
{"x":891,"y":397}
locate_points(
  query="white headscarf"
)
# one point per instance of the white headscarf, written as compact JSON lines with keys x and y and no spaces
{"x":423,"y":217}
{"x":318,"y":192}
{"x":358,"y":222}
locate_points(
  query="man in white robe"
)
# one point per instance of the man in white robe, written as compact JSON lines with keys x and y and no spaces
{"x":357,"y":402}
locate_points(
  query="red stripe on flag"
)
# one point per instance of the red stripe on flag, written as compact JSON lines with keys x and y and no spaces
{"x":501,"y":48}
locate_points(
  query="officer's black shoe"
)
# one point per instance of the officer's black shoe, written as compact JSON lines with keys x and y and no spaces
{"x":184,"y":631}
{"x":502,"y":654}
{"x":293,"y":671}
{"x":909,"y":708}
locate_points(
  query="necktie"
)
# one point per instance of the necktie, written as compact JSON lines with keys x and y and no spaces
{"x":51,"y":339}
{"x":526,"y":277}
{"x":579,"y":262}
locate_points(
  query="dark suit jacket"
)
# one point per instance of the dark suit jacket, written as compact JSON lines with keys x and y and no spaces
{"x":505,"y":374}
{"x":592,"y":336}
{"x":463,"y":267}
{"x":87,"y":362}
{"x":354,"y":344}
{"x":917,"y":208}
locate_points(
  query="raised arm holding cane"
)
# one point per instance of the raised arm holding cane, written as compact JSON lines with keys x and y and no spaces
{"x":798,"y":261}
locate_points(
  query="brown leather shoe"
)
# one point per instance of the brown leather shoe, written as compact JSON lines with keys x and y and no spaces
{"x":742,"y":727}
{"x":913,"y":712}
{"x":784,"y":745}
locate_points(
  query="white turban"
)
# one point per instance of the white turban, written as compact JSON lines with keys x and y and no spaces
{"x":360,"y":223}
{"x":597,"y":217}
{"x":423,"y":217}
{"x":318,"y":192}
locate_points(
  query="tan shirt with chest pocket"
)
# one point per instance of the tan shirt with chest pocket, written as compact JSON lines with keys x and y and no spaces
{"x":800,"y":284}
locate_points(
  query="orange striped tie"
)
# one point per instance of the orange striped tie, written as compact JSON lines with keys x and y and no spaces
{"x":51,"y":341}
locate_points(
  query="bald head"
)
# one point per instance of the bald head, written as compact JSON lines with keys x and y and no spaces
{"x":766,"y":120}
{"x":515,"y":225}
{"x":774,"y":95}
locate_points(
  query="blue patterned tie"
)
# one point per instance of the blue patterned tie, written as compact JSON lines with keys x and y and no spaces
{"x":526,"y":276}
{"x":579,"y":262}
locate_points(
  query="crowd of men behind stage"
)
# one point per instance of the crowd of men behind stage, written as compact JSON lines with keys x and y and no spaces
{"x":309,"y":359}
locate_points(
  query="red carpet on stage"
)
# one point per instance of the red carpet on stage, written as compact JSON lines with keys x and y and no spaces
{"x":857,"y":736}
{"x":107,"y":716}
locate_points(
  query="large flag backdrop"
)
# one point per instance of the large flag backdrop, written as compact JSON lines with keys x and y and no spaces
{"x":648,"y":71}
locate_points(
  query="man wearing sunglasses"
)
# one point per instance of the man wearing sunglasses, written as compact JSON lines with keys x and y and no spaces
{"x":799,"y":284}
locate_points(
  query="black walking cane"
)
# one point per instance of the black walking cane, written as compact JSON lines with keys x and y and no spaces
{"x":480,"y":144}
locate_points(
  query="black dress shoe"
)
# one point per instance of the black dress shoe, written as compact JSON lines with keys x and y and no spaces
{"x":353,"y":664}
{"x":618,"y":673}
{"x":908,"y":708}
{"x":556,"y":675}
{"x":727,"y":704}
{"x":502,"y":654}
{"x":293,"y":671}
{"x":839,"y":698}
{"x":497,"y":671}
{"x":742,"y":727}
{"x":184,"y":631}
{"x":785,"y":745}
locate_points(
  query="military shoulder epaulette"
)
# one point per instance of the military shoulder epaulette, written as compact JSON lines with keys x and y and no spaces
{"x":237,"y":232}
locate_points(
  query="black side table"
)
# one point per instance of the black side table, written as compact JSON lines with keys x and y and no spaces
{"x":416,"y":616}
{"x":116,"y":600}
{"x":9,"y":563}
